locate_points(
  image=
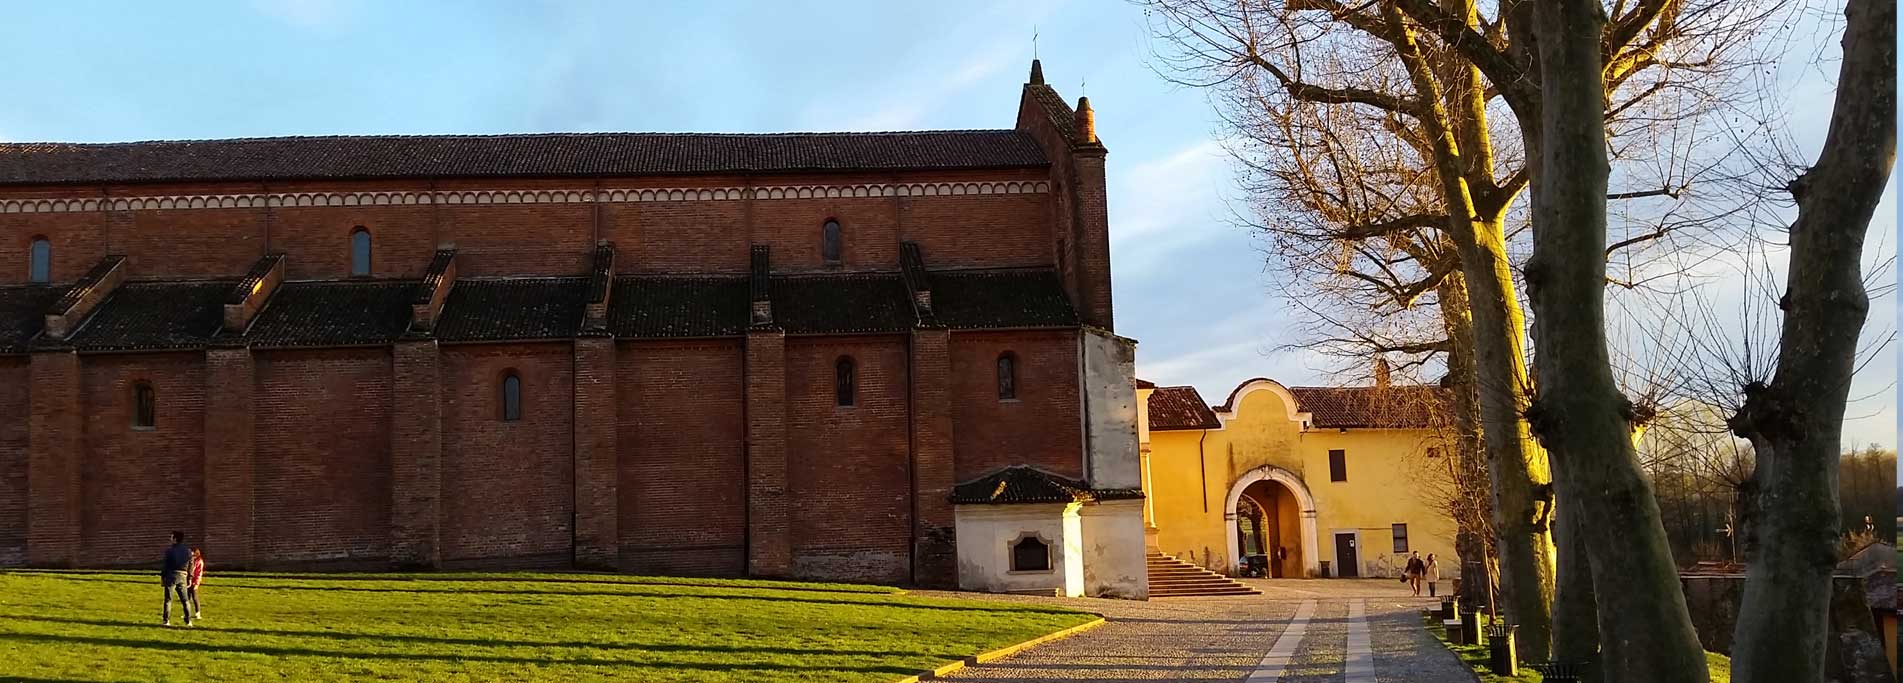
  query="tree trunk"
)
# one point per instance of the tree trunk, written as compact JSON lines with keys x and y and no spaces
{"x":1580,"y":415}
{"x":1796,"y":423}
{"x":1474,"y":507}
{"x":1516,"y":465}
{"x":1575,"y":614}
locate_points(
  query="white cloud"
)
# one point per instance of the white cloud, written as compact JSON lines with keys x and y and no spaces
{"x":906,"y":109}
{"x":1164,"y":204}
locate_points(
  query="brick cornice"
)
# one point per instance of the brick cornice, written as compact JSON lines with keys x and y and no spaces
{"x":505,"y":196}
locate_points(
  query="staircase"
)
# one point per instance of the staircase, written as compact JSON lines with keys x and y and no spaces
{"x":1174,"y":578}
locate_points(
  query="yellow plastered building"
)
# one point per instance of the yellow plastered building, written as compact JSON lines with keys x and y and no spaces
{"x":1309,"y":481}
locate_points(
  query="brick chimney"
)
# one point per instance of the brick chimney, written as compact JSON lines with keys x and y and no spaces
{"x":1380,"y":372}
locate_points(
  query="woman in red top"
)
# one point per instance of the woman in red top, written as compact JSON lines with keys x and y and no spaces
{"x":194,"y":576}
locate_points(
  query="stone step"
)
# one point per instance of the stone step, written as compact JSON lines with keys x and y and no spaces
{"x":1174,"y":578}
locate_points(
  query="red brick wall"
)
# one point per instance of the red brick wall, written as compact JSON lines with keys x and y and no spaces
{"x":78,"y":241}
{"x":683,"y":474}
{"x":138,"y":485}
{"x":528,"y":239}
{"x":868,"y":228}
{"x":317,"y":239}
{"x":848,"y":468}
{"x":1042,"y":427}
{"x":323,"y":457}
{"x":509,"y":486}
{"x":677,"y":237}
{"x":15,"y":403}
{"x":980,"y":230}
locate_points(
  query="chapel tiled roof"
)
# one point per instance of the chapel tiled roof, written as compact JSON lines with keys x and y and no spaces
{"x":1175,"y":408}
{"x":148,"y":316}
{"x":526,"y":155}
{"x":1392,"y":407}
{"x":1145,"y":384}
{"x":678,"y":307}
{"x":1001,"y":299}
{"x":347,"y":313}
{"x":847,"y":303}
{"x":513,"y":308}
{"x":1023,"y":484}
{"x":22,"y":313}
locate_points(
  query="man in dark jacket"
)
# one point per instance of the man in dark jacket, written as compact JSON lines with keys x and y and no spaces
{"x":178,"y":559}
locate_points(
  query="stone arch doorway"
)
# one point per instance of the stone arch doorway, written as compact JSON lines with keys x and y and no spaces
{"x":1270,"y":509}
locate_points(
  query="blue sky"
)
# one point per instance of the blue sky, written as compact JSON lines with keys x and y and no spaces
{"x":1189,"y":286}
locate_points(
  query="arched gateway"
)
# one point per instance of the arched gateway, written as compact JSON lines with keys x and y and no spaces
{"x":1274,"y":480}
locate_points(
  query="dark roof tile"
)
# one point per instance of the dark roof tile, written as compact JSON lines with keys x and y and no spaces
{"x":1392,"y":407}
{"x":513,"y":308}
{"x":842,"y":304}
{"x":1174,"y":408}
{"x":23,"y":312}
{"x":678,"y":307}
{"x":350,"y":313}
{"x":1024,"y":484}
{"x":1001,"y":299}
{"x":141,"y":316}
{"x":528,"y":155}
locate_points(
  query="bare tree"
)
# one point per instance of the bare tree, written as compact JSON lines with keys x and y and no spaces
{"x":1795,"y":422}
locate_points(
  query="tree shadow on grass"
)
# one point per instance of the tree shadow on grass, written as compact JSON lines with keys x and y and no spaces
{"x":122,"y":575}
{"x":874,"y":599}
{"x":53,"y":639}
{"x":492,"y":642}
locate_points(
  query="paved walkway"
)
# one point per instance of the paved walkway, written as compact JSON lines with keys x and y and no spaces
{"x":1328,"y":631}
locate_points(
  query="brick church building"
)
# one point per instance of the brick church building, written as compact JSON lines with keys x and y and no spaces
{"x":768,"y":355}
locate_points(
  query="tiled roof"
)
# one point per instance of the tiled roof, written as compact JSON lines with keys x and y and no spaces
{"x":1061,"y":115}
{"x":345,"y":313}
{"x":251,"y":280}
{"x":22,"y":313}
{"x":863,"y":302}
{"x":532,"y":155}
{"x":1173,"y":408}
{"x":141,"y":316}
{"x":1001,"y":299}
{"x":513,"y":308}
{"x":678,"y":307}
{"x":1024,"y":484}
{"x":1145,"y":384}
{"x":1393,"y":407}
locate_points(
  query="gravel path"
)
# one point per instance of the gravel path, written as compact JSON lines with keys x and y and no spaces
{"x":1227,"y":639}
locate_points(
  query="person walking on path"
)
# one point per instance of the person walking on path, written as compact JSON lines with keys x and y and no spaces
{"x":1431,"y":571}
{"x":1413,"y":572}
{"x":173,"y":570}
{"x":196,"y":575}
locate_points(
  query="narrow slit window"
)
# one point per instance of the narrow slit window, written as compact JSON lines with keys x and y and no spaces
{"x":843,"y":382}
{"x":144,"y":406}
{"x":829,"y":242}
{"x":39,"y":267}
{"x":360,"y":252}
{"x":511,"y":397}
{"x":1338,"y":465}
{"x":1007,"y":377}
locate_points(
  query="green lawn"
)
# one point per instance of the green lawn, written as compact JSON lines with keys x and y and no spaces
{"x":1475,"y":656}
{"x":104,"y":626}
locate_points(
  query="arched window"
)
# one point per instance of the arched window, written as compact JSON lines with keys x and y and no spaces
{"x":39,"y":262}
{"x":1007,"y":376}
{"x":511,"y":397}
{"x":842,"y":381}
{"x":1030,"y":554}
{"x":829,"y":241}
{"x":360,"y":252}
{"x":144,"y":406}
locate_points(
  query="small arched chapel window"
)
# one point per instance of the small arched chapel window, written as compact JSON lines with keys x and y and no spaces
{"x":830,"y":240}
{"x":843,"y":393}
{"x":360,"y":252}
{"x":1030,"y":554}
{"x":511,"y":397}
{"x":1007,"y":376}
{"x":39,"y":265}
{"x":144,"y":406}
